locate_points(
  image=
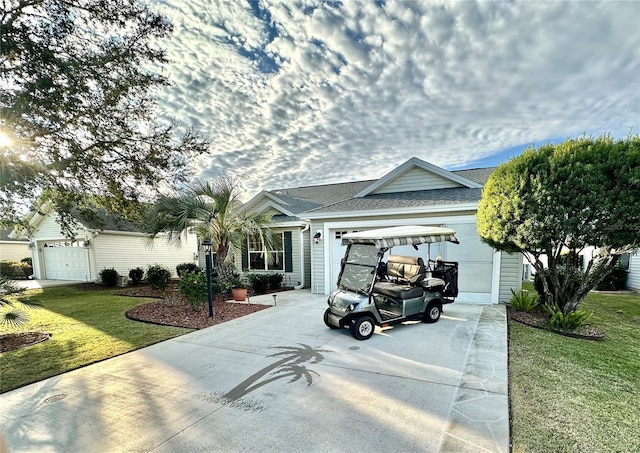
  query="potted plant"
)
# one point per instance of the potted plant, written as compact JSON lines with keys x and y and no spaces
{"x":238,"y":289}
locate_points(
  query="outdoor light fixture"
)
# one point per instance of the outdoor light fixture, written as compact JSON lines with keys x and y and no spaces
{"x":206,"y":246}
{"x":274,"y":300}
{"x":317,"y":236}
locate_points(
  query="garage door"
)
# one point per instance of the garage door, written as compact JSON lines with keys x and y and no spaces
{"x":65,"y":261}
{"x":475,"y":258}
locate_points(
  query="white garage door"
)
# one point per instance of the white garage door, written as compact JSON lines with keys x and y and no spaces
{"x":65,"y":261}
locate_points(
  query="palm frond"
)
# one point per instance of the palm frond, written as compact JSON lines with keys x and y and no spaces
{"x":14,"y":318}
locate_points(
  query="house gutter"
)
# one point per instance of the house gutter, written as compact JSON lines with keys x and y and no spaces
{"x":306,"y":228}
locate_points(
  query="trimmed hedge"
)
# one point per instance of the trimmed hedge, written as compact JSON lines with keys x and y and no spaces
{"x":15,"y":270}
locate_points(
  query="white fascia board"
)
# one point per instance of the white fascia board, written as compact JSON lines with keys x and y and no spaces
{"x":290,"y":224}
{"x":415,"y":162}
{"x":257,"y":198}
{"x":14,"y":242}
{"x":388,"y":212}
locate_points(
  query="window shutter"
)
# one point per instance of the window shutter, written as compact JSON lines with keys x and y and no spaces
{"x":245,"y":255}
{"x":288,"y":252}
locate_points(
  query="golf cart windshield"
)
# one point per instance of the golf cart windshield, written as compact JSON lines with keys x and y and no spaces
{"x":358,"y":268}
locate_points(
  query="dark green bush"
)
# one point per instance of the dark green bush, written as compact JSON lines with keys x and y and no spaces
{"x":185,"y":268}
{"x":27,"y":260}
{"x":570,"y":321}
{"x":616,"y":280}
{"x":193,"y":286}
{"x":158,"y":276}
{"x":14,"y":270}
{"x":523,"y":301}
{"x":136,"y":275}
{"x":109,"y":277}
{"x":259,"y":282}
{"x":274,"y":281}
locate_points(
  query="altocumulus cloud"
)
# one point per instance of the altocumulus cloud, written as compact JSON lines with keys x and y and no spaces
{"x":301,"y":92}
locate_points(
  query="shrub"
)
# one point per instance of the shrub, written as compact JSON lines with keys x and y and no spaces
{"x":109,"y":277}
{"x":185,"y":268}
{"x":15,"y":270}
{"x":27,"y":260}
{"x":616,"y":280}
{"x":274,"y":281}
{"x":136,"y":275}
{"x":158,"y":276}
{"x":193,"y":286}
{"x":259,"y":282}
{"x":226,"y":276}
{"x":571,"y":321}
{"x":523,"y":301}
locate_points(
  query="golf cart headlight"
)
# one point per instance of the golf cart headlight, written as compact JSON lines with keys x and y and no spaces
{"x":352,"y":307}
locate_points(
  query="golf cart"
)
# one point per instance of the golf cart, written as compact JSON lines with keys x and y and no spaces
{"x":373,"y":291}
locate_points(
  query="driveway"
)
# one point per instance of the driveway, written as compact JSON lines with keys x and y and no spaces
{"x":279,"y":380}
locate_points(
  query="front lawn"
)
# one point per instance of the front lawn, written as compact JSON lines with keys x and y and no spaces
{"x":86,"y":327}
{"x":570,"y":395}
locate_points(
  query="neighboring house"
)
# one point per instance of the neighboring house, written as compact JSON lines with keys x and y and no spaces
{"x":415,"y":193}
{"x":104,"y":241}
{"x":631,"y":261}
{"x":633,"y":279}
{"x":12,"y":249}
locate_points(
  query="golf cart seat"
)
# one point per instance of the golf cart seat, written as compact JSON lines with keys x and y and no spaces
{"x":405,"y":269}
{"x":433,"y":284}
{"x":397,"y":290}
{"x":403,"y":277}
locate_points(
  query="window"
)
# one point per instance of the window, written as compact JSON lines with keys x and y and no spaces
{"x":257,"y":254}
{"x":624,"y":261}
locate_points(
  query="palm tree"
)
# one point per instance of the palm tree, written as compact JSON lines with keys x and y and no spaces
{"x":212,"y":210}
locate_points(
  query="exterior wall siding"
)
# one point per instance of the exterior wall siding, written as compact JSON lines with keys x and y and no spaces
{"x":14,"y":250}
{"x":510,"y":275}
{"x":124,"y":252}
{"x":633,"y":279}
{"x":416,"y":179}
{"x":317,"y":259}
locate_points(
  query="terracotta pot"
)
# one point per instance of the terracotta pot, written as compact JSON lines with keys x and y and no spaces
{"x":239,"y":294}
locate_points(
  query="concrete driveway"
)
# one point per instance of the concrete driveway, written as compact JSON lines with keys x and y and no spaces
{"x":279,"y":380}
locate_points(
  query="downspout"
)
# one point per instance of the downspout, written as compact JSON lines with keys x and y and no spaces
{"x":306,"y":228}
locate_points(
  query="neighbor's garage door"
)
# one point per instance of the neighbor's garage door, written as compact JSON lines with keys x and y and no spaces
{"x":65,"y":261}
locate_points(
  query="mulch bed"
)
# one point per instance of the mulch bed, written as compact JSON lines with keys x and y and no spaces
{"x":540,"y":320}
{"x":174,"y":310}
{"x":12,"y":341}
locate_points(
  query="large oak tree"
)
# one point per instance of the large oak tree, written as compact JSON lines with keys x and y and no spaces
{"x":77,"y":86}
{"x":558,"y":199}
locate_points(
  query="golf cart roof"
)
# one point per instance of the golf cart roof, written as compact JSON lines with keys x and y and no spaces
{"x":402,"y":235}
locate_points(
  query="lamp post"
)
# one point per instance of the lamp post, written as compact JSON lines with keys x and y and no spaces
{"x":206,"y":245}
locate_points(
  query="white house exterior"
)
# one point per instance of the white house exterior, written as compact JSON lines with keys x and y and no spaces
{"x":633,"y":278}
{"x":415,"y":193}
{"x":12,"y":249}
{"x":114,"y":245}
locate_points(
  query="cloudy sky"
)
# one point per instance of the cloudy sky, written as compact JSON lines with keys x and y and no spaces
{"x":300,"y":93}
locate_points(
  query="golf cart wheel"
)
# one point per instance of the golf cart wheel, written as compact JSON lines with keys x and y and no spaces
{"x":362,"y":328}
{"x":432,"y":313}
{"x":326,"y":319}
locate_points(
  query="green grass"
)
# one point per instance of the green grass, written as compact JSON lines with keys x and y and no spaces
{"x":570,"y":395}
{"x":86,"y":327}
